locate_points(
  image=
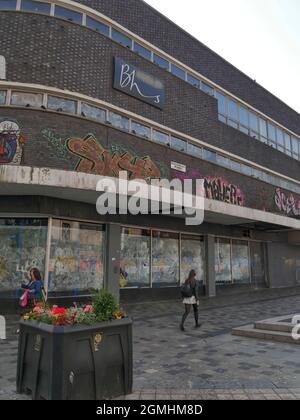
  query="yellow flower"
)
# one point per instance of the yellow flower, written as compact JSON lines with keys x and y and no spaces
{"x":26,"y":317}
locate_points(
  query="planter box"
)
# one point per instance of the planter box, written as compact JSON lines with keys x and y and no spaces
{"x":74,"y":363}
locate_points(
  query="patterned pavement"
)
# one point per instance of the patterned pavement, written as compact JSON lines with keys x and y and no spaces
{"x":199,"y":364}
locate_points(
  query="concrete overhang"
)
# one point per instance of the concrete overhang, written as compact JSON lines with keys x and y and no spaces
{"x":81,"y":187}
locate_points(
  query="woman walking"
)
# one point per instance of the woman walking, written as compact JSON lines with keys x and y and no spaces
{"x":191,"y":299}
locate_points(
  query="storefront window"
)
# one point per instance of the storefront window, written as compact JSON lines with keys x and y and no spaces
{"x":22,"y":247}
{"x":223,"y":261}
{"x":192,"y":257}
{"x":76,"y":257}
{"x":135,"y":258}
{"x":165,"y":259}
{"x":240,"y":262}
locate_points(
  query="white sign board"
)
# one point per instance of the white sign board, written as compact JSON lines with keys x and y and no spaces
{"x":178,"y":167}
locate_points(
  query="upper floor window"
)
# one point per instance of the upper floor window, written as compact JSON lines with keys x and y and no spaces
{"x":272,"y":132}
{"x":193,"y":81}
{"x":61,"y":104}
{"x":178,"y":144}
{"x":222,"y":103}
{"x":263,"y":130}
{"x":2,"y":67}
{"x":194,"y":150}
{"x":27,"y":99}
{"x":178,"y":71}
{"x":142,"y":51}
{"x":36,"y":6}
{"x":121,"y":38}
{"x":8,"y":4}
{"x":161,"y":62}
{"x":207,"y":89}
{"x":68,"y":14}
{"x":253,"y":119}
{"x":93,"y":112}
{"x":2,"y":97}
{"x":161,"y":137}
{"x":295,"y":147}
{"x":233,"y":113}
{"x":97,"y":26}
{"x":288,"y":145}
{"x":280,"y":139}
{"x":140,"y":130}
{"x":119,"y":121}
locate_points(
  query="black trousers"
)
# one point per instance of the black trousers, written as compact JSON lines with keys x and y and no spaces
{"x":187,"y":311}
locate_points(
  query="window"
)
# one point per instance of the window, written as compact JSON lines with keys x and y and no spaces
{"x":280,"y":139}
{"x":119,"y":121}
{"x":135,"y":258}
{"x":22,"y":246}
{"x":178,"y":144}
{"x":161,"y":62}
{"x":97,"y":26}
{"x":36,"y":6}
{"x":76,"y":257}
{"x":223,"y":161}
{"x":232,"y":111}
{"x":161,"y":137}
{"x":253,"y":125}
{"x":93,"y":112}
{"x":223,"y":261}
{"x":70,"y":15}
{"x":165,"y":259}
{"x":194,"y":150}
{"x":121,"y":38}
{"x":144,"y":52}
{"x":271,"y":133}
{"x":235,"y":166}
{"x":192,"y":257}
{"x":240,"y":262}
{"x":2,"y":67}
{"x":193,"y":81}
{"x":295,"y":147}
{"x":8,"y":4}
{"x":263,"y":130}
{"x":178,"y":71}
{"x":27,"y":99}
{"x":62,"y":105}
{"x":244,"y":130}
{"x":244,"y":116}
{"x":288,"y":146}
{"x":2,"y":97}
{"x":246,"y":170}
{"x":222,"y":103}
{"x":141,"y":130}
{"x":207,"y":89}
{"x":222,"y":119}
{"x":208,"y":155}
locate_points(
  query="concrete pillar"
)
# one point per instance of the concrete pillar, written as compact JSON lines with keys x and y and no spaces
{"x":210,"y":266}
{"x":112,"y":272}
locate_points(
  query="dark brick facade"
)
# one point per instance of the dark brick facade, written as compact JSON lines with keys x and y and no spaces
{"x":65,"y":55}
{"x":48,"y":144}
{"x":148,"y":23}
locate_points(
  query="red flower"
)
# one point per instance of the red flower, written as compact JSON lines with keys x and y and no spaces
{"x":88,"y":308}
{"x":58,"y":312}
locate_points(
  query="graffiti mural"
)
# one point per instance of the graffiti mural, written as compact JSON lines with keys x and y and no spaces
{"x":221,"y":190}
{"x":287,"y":204}
{"x":11,"y":143}
{"x":95,"y":159}
{"x":57,"y":142}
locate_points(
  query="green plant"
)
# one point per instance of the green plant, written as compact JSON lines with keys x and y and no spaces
{"x":104,"y":306}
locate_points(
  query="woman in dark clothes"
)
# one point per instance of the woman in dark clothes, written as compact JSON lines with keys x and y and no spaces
{"x":35,"y":288}
{"x":192,"y":301}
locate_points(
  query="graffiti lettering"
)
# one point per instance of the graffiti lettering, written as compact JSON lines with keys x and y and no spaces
{"x":288,"y":205}
{"x":11,"y":143}
{"x":56,"y":142}
{"x":218,"y":189}
{"x":97,"y":160}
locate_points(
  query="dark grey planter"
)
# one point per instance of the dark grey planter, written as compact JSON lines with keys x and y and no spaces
{"x":75,"y":363}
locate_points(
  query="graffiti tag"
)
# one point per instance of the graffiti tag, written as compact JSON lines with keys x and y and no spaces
{"x":11,"y":143}
{"x":95,"y":159}
{"x":287,"y":204}
{"x":220,"y":190}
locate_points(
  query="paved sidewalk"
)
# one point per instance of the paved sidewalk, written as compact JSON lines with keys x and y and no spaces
{"x":208,"y":363}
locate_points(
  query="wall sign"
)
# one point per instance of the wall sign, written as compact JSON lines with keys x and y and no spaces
{"x":137,"y":83}
{"x":178,"y":167}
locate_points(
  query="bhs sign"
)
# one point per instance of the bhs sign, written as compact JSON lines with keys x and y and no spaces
{"x":136,"y":83}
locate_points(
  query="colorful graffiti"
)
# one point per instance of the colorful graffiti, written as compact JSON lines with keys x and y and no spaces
{"x":57,"y":142}
{"x":287,"y":204}
{"x":11,"y":143}
{"x":95,"y":159}
{"x":221,"y":190}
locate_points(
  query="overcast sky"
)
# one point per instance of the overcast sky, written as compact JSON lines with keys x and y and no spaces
{"x":260,"y":37}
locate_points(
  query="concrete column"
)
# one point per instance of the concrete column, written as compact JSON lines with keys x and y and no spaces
{"x":112,"y":272}
{"x":210,"y":266}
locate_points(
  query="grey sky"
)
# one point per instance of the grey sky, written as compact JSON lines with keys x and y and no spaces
{"x":260,"y":37}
